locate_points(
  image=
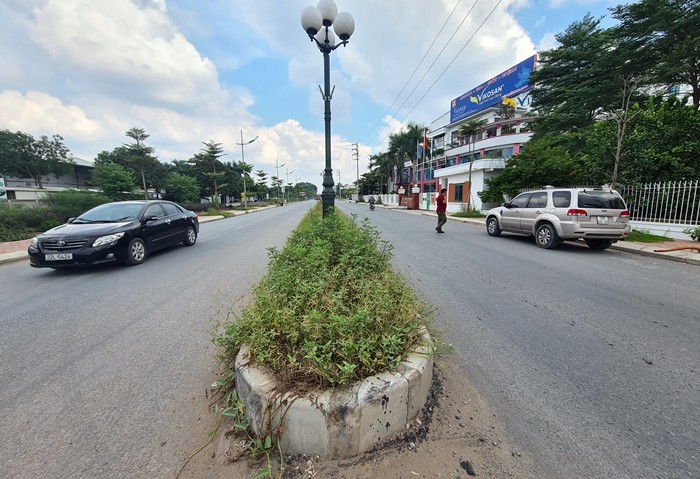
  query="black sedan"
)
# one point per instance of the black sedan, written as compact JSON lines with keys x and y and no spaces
{"x":124,"y":231}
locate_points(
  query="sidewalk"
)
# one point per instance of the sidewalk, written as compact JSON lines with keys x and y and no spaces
{"x":17,"y":250}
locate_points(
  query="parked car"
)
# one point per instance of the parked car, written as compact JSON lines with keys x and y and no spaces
{"x":599,"y":216}
{"x":124,"y":231}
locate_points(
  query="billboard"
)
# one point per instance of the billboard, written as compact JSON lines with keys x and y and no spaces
{"x":508,"y":84}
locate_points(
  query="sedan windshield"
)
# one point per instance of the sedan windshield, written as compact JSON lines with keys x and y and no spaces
{"x":110,"y":213}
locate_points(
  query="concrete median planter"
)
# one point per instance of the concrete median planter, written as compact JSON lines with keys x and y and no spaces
{"x":339,"y":422}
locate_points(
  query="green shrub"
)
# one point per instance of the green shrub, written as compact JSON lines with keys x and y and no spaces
{"x":62,"y":205}
{"x":331,"y":310}
{"x":694,"y":233}
{"x":24,"y":221}
{"x":21,"y":222}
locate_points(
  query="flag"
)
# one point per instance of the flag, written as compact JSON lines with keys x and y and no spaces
{"x":425,"y":141}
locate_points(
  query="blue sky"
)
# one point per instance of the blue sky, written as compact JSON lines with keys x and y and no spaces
{"x":191,"y":71}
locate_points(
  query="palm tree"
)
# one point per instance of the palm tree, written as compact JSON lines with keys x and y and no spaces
{"x":468,"y":130}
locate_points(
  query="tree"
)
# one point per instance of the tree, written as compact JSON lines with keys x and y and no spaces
{"x":665,"y":40}
{"x":181,"y":188}
{"x":209,"y":170}
{"x":247,"y":183}
{"x":261,"y":184}
{"x":139,"y":156}
{"x":578,"y":81}
{"x":622,"y":118}
{"x":469,"y":130}
{"x":115,"y":181}
{"x":402,"y":147}
{"x":24,"y":157}
{"x":662,"y":144}
{"x":306,"y":190}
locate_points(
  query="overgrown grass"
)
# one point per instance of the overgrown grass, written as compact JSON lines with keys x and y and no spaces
{"x":645,"y":237}
{"x":331,"y":310}
{"x":471,"y":212}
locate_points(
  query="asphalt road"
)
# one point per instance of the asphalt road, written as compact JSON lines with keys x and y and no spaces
{"x":103,"y":371}
{"x":591,"y":359}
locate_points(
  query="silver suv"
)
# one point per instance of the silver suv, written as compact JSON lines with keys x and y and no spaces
{"x":597,"y":215}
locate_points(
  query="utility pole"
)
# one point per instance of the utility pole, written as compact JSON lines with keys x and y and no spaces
{"x":339,"y":190}
{"x":277,"y":166}
{"x":242,"y":143}
{"x":286,"y":186}
{"x":356,"y":157}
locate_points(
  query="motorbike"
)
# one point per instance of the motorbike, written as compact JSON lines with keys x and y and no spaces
{"x":371,"y":206}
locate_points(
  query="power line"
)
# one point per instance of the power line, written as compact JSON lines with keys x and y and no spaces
{"x":414,"y":71}
{"x":453,"y":60}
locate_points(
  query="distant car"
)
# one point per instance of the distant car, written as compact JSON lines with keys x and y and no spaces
{"x":124,"y":231}
{"x":599,"y":216}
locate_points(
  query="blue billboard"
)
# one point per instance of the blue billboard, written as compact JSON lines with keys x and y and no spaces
{"x":508,"y":84}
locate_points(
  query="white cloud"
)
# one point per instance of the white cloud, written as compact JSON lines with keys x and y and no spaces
{"x":44,"y":114}
{"x":547,"y":42}
{"x":123,"y":44}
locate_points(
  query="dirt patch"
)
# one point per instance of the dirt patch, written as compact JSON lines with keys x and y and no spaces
{"x":455,"y":436}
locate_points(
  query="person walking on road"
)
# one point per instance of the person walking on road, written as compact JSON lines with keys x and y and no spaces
{"x":441,"y":210}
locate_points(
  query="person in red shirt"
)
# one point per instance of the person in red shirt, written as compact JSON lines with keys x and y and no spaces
{"x":441,"y":210}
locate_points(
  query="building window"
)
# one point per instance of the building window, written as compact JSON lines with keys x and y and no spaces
{"x":458,"y":193}
{"x":508,"y":128}
{"x":491,"y":132}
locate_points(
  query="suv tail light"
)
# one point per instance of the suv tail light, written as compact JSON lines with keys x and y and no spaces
{"x":576,"y":212}
{"x":624,"y":214}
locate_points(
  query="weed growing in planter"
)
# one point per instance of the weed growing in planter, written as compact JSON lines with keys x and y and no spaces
{"x":330,"y":311}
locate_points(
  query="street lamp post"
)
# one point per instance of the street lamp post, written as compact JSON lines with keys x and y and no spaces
{"x":316,"y":22}
{"x":245,"y":191}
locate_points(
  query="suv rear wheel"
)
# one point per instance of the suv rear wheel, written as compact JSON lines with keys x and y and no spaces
{"x":546,"y":236}
{"x":598,"y":243}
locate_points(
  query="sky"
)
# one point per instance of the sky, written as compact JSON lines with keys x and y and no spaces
{"x":232,"y":71}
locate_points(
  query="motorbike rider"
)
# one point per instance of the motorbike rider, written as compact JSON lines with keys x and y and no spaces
{"x":371,"y":202}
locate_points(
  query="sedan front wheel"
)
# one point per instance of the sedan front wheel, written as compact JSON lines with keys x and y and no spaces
{"x":135,"y":252}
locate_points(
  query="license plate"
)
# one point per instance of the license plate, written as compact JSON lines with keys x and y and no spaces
{"x":602,"y":220}
{"x":59,"y":257}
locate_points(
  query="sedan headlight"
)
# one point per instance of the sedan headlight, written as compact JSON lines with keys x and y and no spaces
{"x":109,"y":239}
{"x":34,"y":243}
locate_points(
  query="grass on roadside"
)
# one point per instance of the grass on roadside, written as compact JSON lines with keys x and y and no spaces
{"x":644,"y":237}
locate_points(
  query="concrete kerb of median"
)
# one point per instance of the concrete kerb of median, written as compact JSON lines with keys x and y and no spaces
{"x":339,"y":422}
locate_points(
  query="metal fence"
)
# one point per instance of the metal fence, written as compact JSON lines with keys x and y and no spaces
{"x":675,"y":202}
